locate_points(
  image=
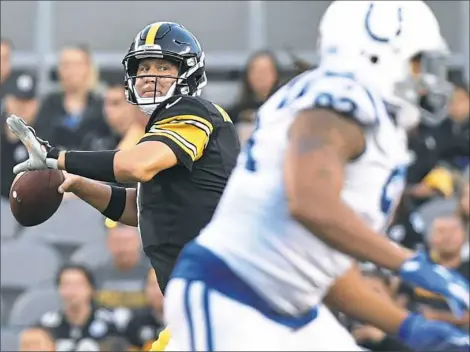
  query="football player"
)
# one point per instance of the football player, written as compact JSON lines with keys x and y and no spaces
{"x":311,"y":194}
{"x":181,"y":164}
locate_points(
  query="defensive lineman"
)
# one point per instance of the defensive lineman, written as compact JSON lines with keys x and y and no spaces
{"x":312,"y":191}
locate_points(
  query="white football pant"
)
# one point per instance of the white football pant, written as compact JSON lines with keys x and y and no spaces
{"x":202,"y":319}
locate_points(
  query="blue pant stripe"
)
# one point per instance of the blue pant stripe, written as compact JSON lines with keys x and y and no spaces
{"x":207,"y":319}
{"x":189,"y":317}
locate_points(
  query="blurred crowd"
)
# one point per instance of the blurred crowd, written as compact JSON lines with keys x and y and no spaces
{"x":115,"y":304}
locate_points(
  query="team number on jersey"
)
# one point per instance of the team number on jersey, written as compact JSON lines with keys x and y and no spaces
{"x":333,"y":91}
{"x":392,"y":191}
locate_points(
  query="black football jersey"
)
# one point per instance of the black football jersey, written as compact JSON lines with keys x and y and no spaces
{"x":89,"y":337}
{"x":143,"y":329}
{"x":178,"y":202}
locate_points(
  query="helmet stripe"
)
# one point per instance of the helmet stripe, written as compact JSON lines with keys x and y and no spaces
{"x":152,"y":34}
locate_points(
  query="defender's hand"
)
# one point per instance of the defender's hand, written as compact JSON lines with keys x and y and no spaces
{"x":421,"y":271}
{"x":423,"y":335}
{"x":41,"y":154}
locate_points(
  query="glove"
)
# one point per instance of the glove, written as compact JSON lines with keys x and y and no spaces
{"x":421,"y":334}
{"x":41,"y":154}
{"x":421,"y":271}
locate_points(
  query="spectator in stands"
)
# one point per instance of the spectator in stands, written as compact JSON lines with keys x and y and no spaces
{"x":73,"y":117}
{"x":36,"y":339}
{"x":126,"y":121}
{"x":464,"y":203}
{"x":6,"y":50}
{"x":115,"y":344}
{"x":438,"y":182}
{"x":260,"y":80}
{"x":445,"y":240}
{"x":424,"y":155}
{"x":407,"y":226}
{"x":456,"y":129}
{"x":440,"y":147}
{"x":122,"y":279}
{"x":431,"y":143}
{"x":135,"y":131}
{"x":146,"y":323}
{"x":80,"y":325}
{"x":20,"y":100}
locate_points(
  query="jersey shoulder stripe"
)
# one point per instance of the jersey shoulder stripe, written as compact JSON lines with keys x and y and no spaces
{"x":184,"y":125}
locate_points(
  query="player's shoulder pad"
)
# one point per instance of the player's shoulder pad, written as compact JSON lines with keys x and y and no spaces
{"x":345,"y":95}
{"x":181,"y":105}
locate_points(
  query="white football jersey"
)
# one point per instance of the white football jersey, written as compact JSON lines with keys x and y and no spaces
{"x":252,"y":229}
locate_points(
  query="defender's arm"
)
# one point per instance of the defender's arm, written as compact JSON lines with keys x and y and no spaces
{"x":356,"y":298}
{"x":321,"y":142}
{"x":353,"y":296}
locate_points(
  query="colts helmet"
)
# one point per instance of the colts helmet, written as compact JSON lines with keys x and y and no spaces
{"x":382,"y":37}
{"x":172,"y":42}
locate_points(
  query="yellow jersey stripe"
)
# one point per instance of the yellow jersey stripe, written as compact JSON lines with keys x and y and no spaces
{"x":195,"y":124}
{"x":152,"y":34}
{"x":176,"y":133}
{"x":187,"y":143}
{"x":185,"y":118}
{"x":222,"y":112}
{"x":194,"y":135}
{"x":191,"y":153}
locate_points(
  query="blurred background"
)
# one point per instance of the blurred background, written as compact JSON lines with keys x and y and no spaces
{"x":61,"y":71}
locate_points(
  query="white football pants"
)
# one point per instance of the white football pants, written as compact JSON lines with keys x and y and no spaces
{"x":202,"y":319}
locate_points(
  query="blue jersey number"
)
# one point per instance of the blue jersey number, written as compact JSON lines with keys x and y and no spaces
{"x":322,"y":100}
{"x":392,"y":190}
{"x":250,"y":161}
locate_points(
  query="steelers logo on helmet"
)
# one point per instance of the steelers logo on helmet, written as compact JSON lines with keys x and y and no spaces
{"x":164,"y":60}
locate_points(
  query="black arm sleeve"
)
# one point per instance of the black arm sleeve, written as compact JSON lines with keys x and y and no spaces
{"x":97,"y":165}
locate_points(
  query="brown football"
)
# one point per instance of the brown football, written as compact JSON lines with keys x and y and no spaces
{"x":34,"y":197}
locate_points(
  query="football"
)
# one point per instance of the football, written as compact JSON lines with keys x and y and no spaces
{"x":34,"y":197}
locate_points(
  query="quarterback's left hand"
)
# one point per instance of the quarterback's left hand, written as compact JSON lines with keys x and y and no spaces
{"x":41,"y":154}
{"x":421,"y":271}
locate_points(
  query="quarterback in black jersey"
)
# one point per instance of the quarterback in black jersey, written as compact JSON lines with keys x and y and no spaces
{"x":181,"y":164}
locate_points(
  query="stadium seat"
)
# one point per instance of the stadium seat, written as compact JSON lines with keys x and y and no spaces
{"x":32,"y":305}
{"x":74,"y":224}
{"x":25,"y":264}
{"x":9,"y":339}
{"x":9,"y":226}
{"x":435,"y":208}
{"x":91,"y":255}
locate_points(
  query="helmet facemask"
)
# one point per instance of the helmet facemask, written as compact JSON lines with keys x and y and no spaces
{"x":428,"y":87}
{"x":190,"y":79}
